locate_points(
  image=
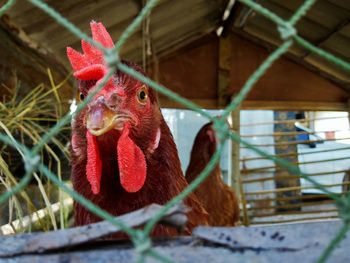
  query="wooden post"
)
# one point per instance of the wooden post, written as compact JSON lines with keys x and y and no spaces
{"x":235,"y":157}
{"x":280,"y":149}
{"x":236,"y":179}
{"x":224,"y":68}
{"x":349,"y":111}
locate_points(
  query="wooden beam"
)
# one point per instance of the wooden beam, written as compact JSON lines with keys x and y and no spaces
{"x":296,"y":105}
{"x":270,"y":46}
{"x":308,"y":91}
{"x":26,"y":63}
{"x":230,"y":20}
{"x":334,"y":31}
{"x":224,"y":68}
{"x":171,"y":48}
{"x":203,"y":103}
{"x":264,"y":105}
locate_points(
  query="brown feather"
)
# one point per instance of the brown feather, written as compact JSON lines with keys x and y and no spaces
{"x":218,"y":199}
{"x":164,"y":178}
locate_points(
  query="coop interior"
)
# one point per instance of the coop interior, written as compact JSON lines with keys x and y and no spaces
{"x":205,"y":51}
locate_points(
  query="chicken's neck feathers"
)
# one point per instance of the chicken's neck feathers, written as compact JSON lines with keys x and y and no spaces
{"x":163,"y":169}
{"x":195,"y":168}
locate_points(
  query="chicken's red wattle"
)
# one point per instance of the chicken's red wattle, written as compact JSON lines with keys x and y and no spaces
{"x":94,"y":164}
{"x":131,"y":162}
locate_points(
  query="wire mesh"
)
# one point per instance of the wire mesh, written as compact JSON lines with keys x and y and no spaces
{"x":140,"y":238}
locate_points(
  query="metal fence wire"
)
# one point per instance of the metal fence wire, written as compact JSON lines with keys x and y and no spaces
{"x":140,"y":238}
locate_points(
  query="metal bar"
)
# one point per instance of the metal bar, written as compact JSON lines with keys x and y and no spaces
{"x":303,"y":198}
{"x":294,"y":153}
{"x":344,"y":23}
{"x":293,"y":205}
{"x":297,"y":142}
{"x":272,"y":178}
{"x":292,"y":121}
{"x":294,"y":220}
{"x":288,"y":133}
{"x":255,"y":170}
{"x":293,"y":188}
{"x":297,"y":213}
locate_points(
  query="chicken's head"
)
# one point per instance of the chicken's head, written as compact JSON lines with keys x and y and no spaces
{"x":124,"y":112}
{"x":205,"y":142}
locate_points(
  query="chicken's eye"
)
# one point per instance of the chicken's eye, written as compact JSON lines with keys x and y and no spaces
{"x":81,"y":96}
{"x":142,"y":95}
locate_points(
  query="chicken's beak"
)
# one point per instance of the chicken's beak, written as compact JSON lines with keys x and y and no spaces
{"x":100,"y":120}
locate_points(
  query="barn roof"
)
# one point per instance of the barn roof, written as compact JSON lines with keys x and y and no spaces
{"x":175,"y":25}
{"x":326,"y":25}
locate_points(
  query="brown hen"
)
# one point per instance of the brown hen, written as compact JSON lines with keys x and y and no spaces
{"x":218,"y":199}
{"x":123,"y":154}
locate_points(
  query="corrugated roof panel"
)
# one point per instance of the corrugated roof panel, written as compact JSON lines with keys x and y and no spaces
{"x":105,"y":14}
{"x":176,"y":23}
{"x":341,"y":3}
{"x":328,"y":67}
{"x":272,"y":38}
{"x":338,"y":44}
{"x":322,"y":12}
{"x":345,"y":31}
{"x":326,"y":24}
{"x":169,"y":20}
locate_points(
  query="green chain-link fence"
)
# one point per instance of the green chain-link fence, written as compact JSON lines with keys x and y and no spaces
{"x":140,"y":238}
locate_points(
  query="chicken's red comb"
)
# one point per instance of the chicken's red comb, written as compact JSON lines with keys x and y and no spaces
{"x":91,"y":64}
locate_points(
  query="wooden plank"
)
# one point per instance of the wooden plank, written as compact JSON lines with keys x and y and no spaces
{"x":192,"y":74}
{"x":322,"y":12}
{"x":284,"y":81}
{"x":290,"y":236}
{"x":343,"y":24}
{"x":288,"y":243}
{"x":167,"y":28}
{"x":328,"y":67}
{"x":337,"y":43}
{"x":268,"y":42}
{"x":174,"y":27}
{"x":105,"y":13}
{"x":345,"y":4}
{"x":22,"y":244}
{"x":205,"y":104}
{"x":171,"y":46}
{"x":264,"y":105}
{"x":305,"y":27}
{"x":17,"y":9}
{"x":294,"y":105}
{"x":24,"y":63}
{"x":74,"y":11}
